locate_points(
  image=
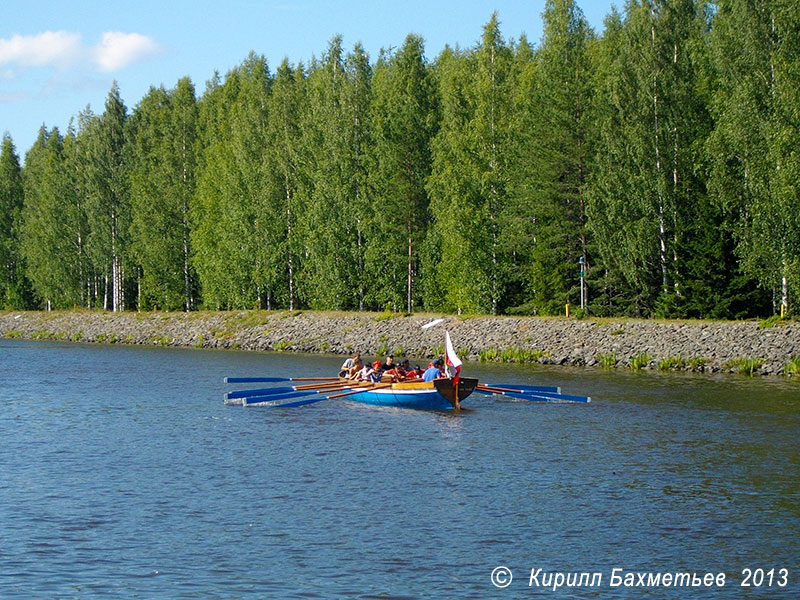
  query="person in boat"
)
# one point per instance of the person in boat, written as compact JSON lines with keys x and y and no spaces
{"x":348,"y":365}
{"x":416,"y":373}
{"x":375,"y":374}
{"x":389,"y":364}
{"x":434,"y":372}
{"x":355,"y":370}
{"x":363,"y":373}
{"x":403,"y":368}
{"x":393,"y":370}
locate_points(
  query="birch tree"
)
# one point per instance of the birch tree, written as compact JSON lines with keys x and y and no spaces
{"x":12,"y":283}
{"x":755,"y":52}
{"x":286,"y":102}
{"x":48,"y":224}
{"x":108,"y":202}
{"x":403,"y":122}
{"x":469,"y":179}
{"x":162,"y":182}
{"x":644,"y":182}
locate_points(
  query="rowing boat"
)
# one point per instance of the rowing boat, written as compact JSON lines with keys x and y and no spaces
{"x":445,"y":393}
{"x":440,"y":394}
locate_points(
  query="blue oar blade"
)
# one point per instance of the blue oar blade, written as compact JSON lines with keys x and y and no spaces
{"x":275,"y":397}
{"x":271,"y":404}
{"x":259,"y":392}
{"x":559,"y":396}
{"x":526,"y":388}
{"x":546,"y":397}
{"x":255,"y":379}
{"x":539,"y":397}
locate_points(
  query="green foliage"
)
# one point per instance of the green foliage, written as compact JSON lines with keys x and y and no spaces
{"x":488,"y":355}
{"x":607,"y":361}
{"x":660,"y":151}
{"x":162,"y":182}
{"x":403,"y":121}
{"x":13,"y":286}
{"x":770,"y":322}
{"x":640,"y":361}
{"x":793,"y":367}
{"x":697,"y":363}
{"x":745,"y":366}
{"x":670,"y":363}
{"x":551,"y":166}
{"x":521,"y":355}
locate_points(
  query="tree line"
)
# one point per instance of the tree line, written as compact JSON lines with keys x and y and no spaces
{"x":661,"y":153}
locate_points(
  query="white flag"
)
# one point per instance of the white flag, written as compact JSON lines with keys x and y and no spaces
{"x":450,"y":355}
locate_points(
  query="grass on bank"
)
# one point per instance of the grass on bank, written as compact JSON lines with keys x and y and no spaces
{"x":640,"y":361}
{"x":793,"y":367}
{"x":745,"y":366}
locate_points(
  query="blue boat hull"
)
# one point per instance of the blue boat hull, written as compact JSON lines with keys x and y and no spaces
{"x":440,"y":395}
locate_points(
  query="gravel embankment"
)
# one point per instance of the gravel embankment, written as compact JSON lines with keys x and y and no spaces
{"x":702,"y":345}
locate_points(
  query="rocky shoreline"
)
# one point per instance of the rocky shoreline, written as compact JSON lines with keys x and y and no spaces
{"x":611,"y":343}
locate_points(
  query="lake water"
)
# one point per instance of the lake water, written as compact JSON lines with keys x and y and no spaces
{"x":122,"y":475}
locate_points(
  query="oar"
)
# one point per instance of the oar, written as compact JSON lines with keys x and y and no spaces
{"x":275,"y":379}
{"x":525,"y":388}
{"x":278,"y":391}
{"x":313,"y":400}
{"x":535,"y":397}
{"x":556,"y":395}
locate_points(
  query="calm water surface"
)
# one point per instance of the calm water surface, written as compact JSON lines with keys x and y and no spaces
{"x":123,"y":475}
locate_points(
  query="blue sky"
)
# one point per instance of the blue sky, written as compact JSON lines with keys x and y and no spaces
{"x":57,"y":57}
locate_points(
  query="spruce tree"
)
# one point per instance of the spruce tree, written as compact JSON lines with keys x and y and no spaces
{"x":403,"y":122}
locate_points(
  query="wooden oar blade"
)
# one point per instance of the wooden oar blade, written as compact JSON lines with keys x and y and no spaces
{"x":275,"y":379}
{"x":279,"y":391}
{"x":255,"y":379}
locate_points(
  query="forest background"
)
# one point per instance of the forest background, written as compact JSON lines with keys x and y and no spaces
{"x":658,"y":161}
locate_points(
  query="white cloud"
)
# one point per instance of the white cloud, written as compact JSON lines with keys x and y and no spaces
{"x":51,"y":48}
{"x":63,"y":50}
{"x":117,"y":50}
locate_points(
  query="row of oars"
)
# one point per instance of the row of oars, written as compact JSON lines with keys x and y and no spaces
{"x":296,"y":395}
{"x":532,"y":393}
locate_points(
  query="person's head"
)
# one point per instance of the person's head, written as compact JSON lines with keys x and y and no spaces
{"x":357,"y":356}
{"x":376,"y":365}
{"x":357,"y":361}
{"x":438,"y":363}
{"x":417,"y":369}
{"x":404,"y":364}
{"x":389,"y":359}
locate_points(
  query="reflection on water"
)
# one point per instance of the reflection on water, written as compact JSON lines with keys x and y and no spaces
{"x":123,"y":474}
